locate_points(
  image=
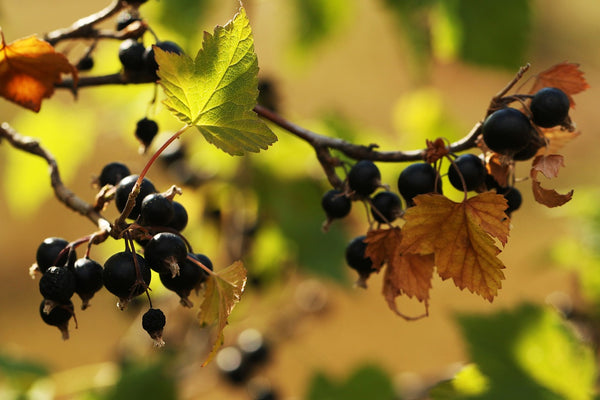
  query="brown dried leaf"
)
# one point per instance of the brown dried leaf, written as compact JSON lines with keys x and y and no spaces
{"x":564,"y":76}
{"x":498,"y":169}
{"x":557,"y":139}
{"x":461,"y":237}
{"x":408,"y":274}
{"x":29,"y":69}
{"x":381,"y":245}
{"x":549,"y":166}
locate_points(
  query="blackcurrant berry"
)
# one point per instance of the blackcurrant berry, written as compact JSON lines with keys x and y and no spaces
{"x":472,"y":170}
{"x":145,"y":130}
{"x":131,"y":55}
{"x":85,"y":64}
{"x":180,"y":217}
{"x":148,"y":58}
{"x":124,"y":19}
{"x":112,"y":173}
{"x":88,"y":279}
{"x":120,"y":276}
{"x":364,"y":177}
{"x":529,"y":151}
{"x":418,"y":178}
{"x":165,"y":252}
{"x":356,"y":259}
{"x":190,"y":276}
{"x":153,"y":322}
{"x":549,"y":107}
{"x":506,"y":131}
{"x":59,"y":316}
{"x":123,"y":190}
{"x":48,"y":253}
{"x":386,"y":206}
{"x":57,"y":284}
{"x":513,"y":198}
{"x":336,"y":204}
{"x":156,"y":210}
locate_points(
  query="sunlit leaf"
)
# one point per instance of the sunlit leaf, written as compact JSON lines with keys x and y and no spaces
{"x":29,"y":69}
{"x":366,"y":382}
{"x":549,"y":166}
{"x":565,"y":76}
{"x":217,"y":91}
{"x":222,"y":292}
{"x":461,"y":237}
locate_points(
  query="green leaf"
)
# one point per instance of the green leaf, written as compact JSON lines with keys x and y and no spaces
{"x":222,"y":292}
{"x":145,"y":380}
{"x":217,"y":91}
{"x":366,"y":382}
{"x":316,"y":19}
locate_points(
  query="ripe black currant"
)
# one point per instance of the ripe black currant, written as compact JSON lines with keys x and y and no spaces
{"x":85,"y":63}
{"x":48,"y":253}
{"x":123,"y":190}
{"x":165,"y":252}
{"x":148,"y":57}
{"x":549,"y":107}
{"x":356,"y":259}
{"x":59,"y":316}
{"x":364,"y":177}
{"x":386,"y":206}
{"x":513,"y":198}
{"x":336,"y":204}
{"x":153,"y":322}
{"x":156,"y":210}
{"x":131,"y":55}
{"x":121,"y":278}
{"x":112,"y":173}
{"x":506,"y":131}
{"x":418,"y":178}
{"x":472,"y":170}
{"x":180,"y":217}
{"x":534,"y":145}
{"x":145,"y":131}
{"x":57,"y":284}
{"x":88,"y":279}
{"x":190,"y":277}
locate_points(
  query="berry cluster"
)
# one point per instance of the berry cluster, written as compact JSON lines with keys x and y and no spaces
{"x":156,"y":222}
{"x":512,"y":134}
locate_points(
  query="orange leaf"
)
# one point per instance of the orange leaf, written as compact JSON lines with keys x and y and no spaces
{"x":410,"y":274}
{"x":498,"y":169}
{"x":29,"y":68}
{"x":557,"y":138}
{"x":381,"y":245}
{"x":461,"y":237}
{"x":549,"y":166}
{"x":564,"y":76}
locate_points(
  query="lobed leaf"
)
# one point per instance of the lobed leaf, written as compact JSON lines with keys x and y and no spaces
{"x":222,"y":292}
{"x":217,"y":91}
{"x":29,"y":68}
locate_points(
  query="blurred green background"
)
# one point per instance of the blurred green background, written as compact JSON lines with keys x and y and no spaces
{"x":389,"y":72}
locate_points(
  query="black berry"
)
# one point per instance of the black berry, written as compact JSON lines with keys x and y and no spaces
{"x":530,"y":150}
{"x":416,"y":179}
{"x":506,"y":131}
{"x":58,"y":316}
{"x":364,"y":177}
{"x":472,"y":170}
{"x":190,"y":276}
{"x":165,"y":252}
{"x":112,"y":173}
{"x":85,"y":63}
{"x":180,"y":217}
{"x":549,"y":107}
{"x":145,"y":131}
{"x":57,"y":284}
{"x":156,"y":210}
{"x":513,"y":198}
{"x":336,"y":204}
{"x":386,"y":206}
{"x":48,"y":253}
{"x":153,"y":322}
{"x":131,"y":55}
{"x":356,"y":259}
{"x":123,"y":190}
{"x":88,"y":279}
{"x":121,"y":278}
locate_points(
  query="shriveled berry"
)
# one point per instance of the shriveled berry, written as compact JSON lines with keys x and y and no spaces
{"x":124,"y":188}
{"x":153,"y":322}
{"x":112,"y":173}
{"x":549,"y":107}
{"x":506,"y":131}
{"x":156,"y":210}
{"x":416,"y":179}
{"x":57,"y":284}
{"x":58,"y":316}
{"x":364,"y":177}
{"x":386,"y":206}
{"x":472,"y":170}
{"x":165,"y":252}
{"x":48,"y":253}
{"x":120,"y":276}
{"x":336,"y":204}
{"x":88,"y":279}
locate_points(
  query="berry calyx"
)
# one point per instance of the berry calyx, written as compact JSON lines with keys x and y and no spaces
{"x":472,"y":170}
{"x":416,"y":179}
{"x":88,"y":279}
{"x":356,"y":259}
{"x":506,"y":131}
{"x":335,"y":204}
{"x":549,"y":107}
{"x":364,"y":177}
{"x":153,"y":322}
{"x":189,"y":278}
{"x":165,"y":252}
{"x":386,"y":207}
{"x":126,"y":275}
